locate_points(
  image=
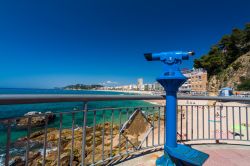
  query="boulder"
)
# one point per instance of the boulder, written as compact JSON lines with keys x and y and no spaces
{"x":17,"y":161}
{"x":36,"y":121}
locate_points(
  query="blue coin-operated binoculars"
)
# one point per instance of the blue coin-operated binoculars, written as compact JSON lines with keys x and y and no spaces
{"x":171,"y":80}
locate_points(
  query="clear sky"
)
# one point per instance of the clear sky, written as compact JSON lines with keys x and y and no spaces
{"x":49,"y":43}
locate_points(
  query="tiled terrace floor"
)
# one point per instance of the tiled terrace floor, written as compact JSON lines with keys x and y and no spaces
{"x":220,"y":154}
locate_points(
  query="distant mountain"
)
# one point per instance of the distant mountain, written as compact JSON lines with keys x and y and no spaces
{"x":228,"y":61}
{"x":82,"y":87}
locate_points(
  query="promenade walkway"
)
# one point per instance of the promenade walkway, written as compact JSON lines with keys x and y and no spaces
{"x":220,"y":154}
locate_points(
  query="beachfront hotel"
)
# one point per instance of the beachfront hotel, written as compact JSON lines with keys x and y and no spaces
{"x":196,"y":81}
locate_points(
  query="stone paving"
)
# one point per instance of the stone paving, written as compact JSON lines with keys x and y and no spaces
{"x":219,"y":154}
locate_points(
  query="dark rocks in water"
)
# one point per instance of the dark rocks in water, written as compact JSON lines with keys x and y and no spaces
{"x":34,"y":155}
{"x":36,"y":139}
{"x":19,"y":161}
{"x":36,"y":121}
{"x":102,"y":145}
{"x":36,"y":134}
{"x":4,"y":122}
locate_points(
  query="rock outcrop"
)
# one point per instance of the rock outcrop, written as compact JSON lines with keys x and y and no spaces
{"x":66,"y":143}
{"x":101,"y":149}
{"x":36,"y":121}
{"x":232,"y":76}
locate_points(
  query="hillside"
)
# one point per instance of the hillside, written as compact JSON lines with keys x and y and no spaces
{"x":228,"y":61}
{"x":82,"y":87}
{"x":233,"y":76}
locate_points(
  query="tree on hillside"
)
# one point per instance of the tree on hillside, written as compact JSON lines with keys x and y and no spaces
{"x":247,"y":36}
{"x":226,"y":51}
{"x":245,"y":85}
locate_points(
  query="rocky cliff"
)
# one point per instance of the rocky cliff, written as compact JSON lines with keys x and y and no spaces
{"x":227,"y":61}
{"x":233,"y":75}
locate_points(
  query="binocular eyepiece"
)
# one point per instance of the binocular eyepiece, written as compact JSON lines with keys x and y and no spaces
{"x":163,"y":56}
{"x":148,"y":56}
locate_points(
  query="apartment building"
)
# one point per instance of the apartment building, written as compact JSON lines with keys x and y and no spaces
{"x":199,"y":80}
{"x":196,"y":82}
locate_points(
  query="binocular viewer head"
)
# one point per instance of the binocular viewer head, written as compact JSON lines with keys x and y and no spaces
{"x":168,"y":56}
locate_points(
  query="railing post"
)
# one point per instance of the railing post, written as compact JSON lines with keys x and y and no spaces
{"x":103,"y":132}
{"x":28,"y":142}
{"x":93,"y":138}
{"x":247,"y":121}
{"x":45,"y":140}
{"x":59,"y":142}
{"x":72,"y":139}
{"x":111,"y":134}
{"x":85,"y":107}
{"x":7,"y":157}
{"x":159,"y":125}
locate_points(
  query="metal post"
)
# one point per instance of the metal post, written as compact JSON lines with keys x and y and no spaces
{"x":72,"y":139}
{"x":171,"y":80}
{"x":84,"y":132}
{"x":45,"y":140}
{"x":171,"y":119}
{"x":247,"y":122}
{"x":186,"y":123}
{"x":7,"y":157}
{"x":111,"y":133}
{"x":159,"y":124}
{"x":93,"y":140}
{"x":120,"y":125}
{"x":203,"y":128}
{"x":197,"y":123}
{"x":181,"y":123}
{"x":103,"y":130}
{"x":28,"y":142}
{"x":59,"y":142}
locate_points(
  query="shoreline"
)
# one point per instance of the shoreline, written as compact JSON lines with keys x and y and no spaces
{"x":156,"y":102}
{"x":119,"y":91}
{"x":128,"y":91}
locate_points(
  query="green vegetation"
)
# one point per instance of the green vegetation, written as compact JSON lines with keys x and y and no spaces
{"x":225,"y":52}
{"x":236,"y":66}
{"x":245,"y":85}
{"x":83,"y":87}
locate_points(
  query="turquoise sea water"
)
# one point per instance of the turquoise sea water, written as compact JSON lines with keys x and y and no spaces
{"x":10,"y":111}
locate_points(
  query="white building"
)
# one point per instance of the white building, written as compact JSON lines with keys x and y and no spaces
{"x":140,"y":84}
{"x":186,"y":87}
{"x":148,"y":87}
{"x":158,"y":87}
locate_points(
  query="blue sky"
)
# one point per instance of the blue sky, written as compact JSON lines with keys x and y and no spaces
{"x":44,"y":44}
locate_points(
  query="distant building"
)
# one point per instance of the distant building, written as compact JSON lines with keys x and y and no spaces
{"x":148,"y":87}
{"x":140,"y":84}
{"x":134,"y":87}
{"x":186,"y":87}
{"x":158,"y":87}
{"x":196,"y":82}
{"x":199,"y":80}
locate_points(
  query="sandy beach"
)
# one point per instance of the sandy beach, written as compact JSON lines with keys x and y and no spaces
{"x":130,"y":91}
{"x":207,"y":120}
